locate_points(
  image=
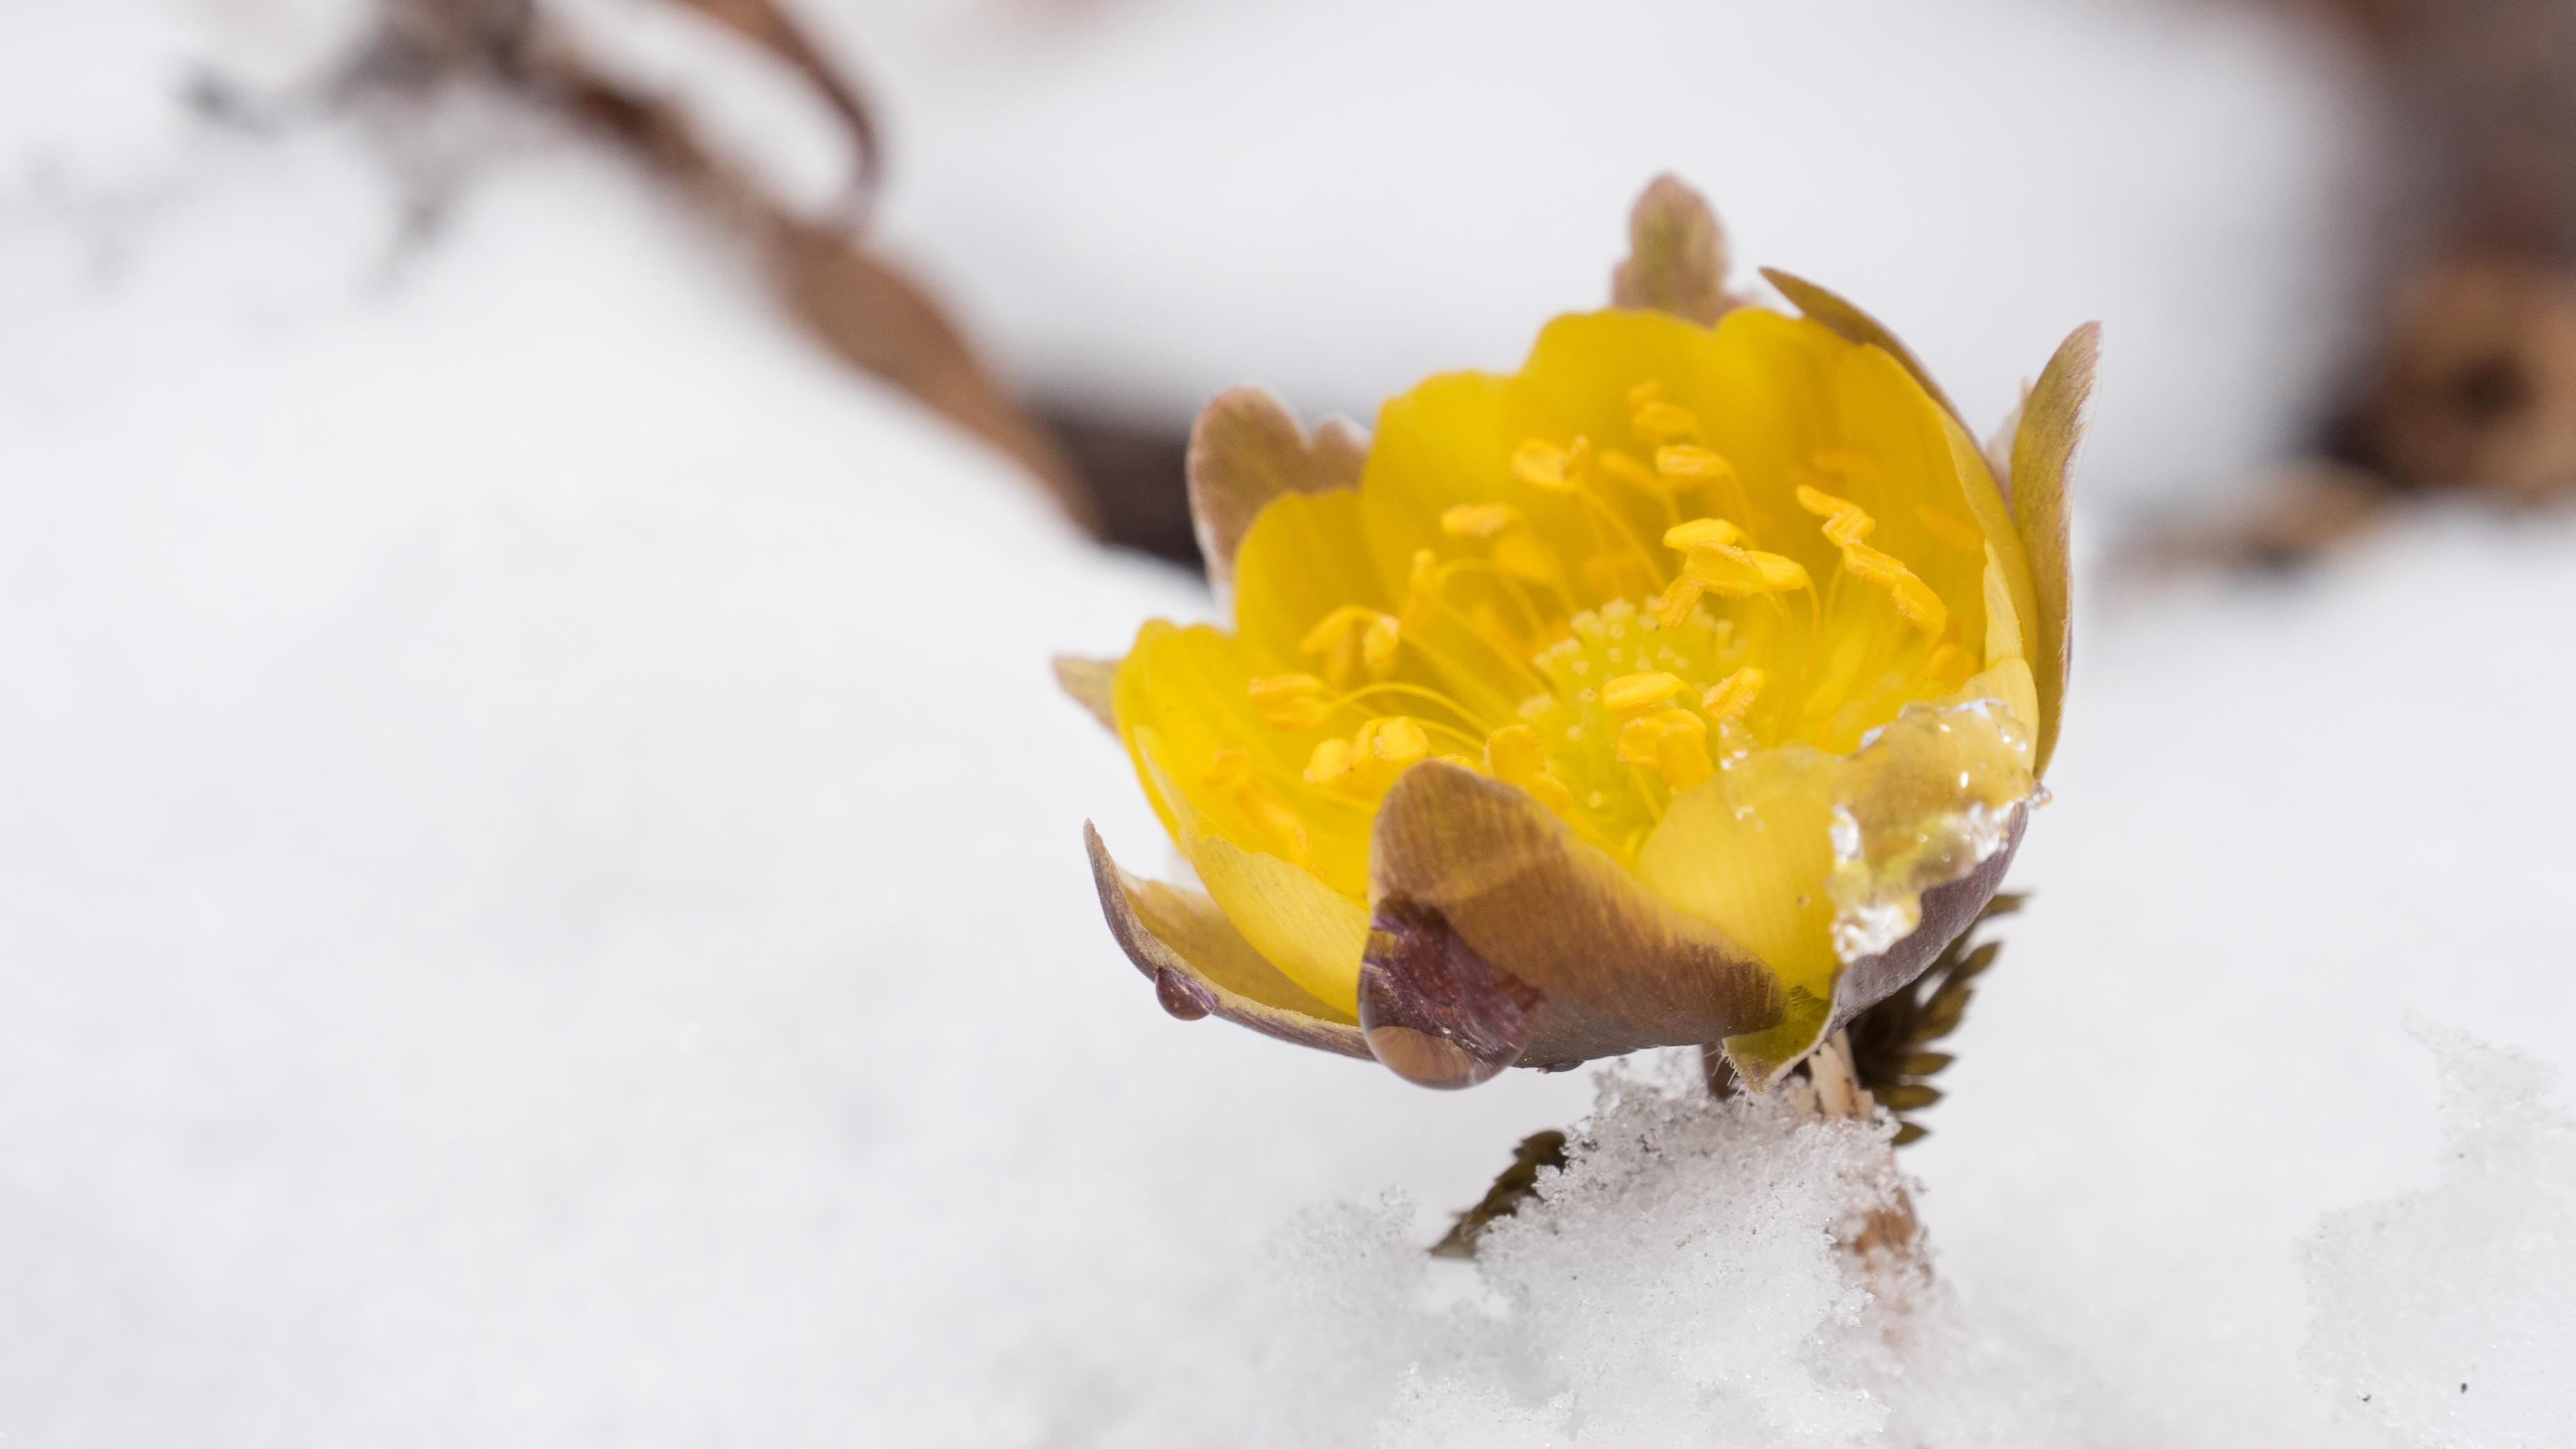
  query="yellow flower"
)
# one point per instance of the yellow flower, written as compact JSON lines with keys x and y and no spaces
{"x":1689,"y":685}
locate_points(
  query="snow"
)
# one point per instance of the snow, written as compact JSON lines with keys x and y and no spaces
{"x":2470,"y":1282}
{"x":539,"y":902}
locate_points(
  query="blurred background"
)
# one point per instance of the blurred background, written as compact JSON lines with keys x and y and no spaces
{"x":538,"y":888}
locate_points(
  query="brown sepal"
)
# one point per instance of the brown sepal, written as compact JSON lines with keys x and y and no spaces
{"x":1676,"y":258}
{"x":1610,"y":968}
{"x":1248,"y":448}
{"x":1201,"y":965}
{"x":1087,"y":683}
{"x":2043,"y":456}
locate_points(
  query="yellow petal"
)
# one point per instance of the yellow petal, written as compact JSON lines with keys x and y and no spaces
{"x":1748,"y":853}
{"x":1311,"y":932}
{"x":1201,"y":965}
{"x":1210,"y":762}
{"x":1303,"y":559}
{"x":1855,"y":325}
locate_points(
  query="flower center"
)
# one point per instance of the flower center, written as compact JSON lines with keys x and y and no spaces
{"x":1657,"y":616}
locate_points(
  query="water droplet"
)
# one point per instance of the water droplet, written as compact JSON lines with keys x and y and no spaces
{"x":1434,"y":1011}
{"x":1183,"y":996}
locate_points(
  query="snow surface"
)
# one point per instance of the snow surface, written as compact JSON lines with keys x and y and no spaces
{"x":540,"y":904}
{"x":2471,"y":1282}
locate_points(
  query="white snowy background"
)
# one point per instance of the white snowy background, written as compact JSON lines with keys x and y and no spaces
{"x":539,"y":891}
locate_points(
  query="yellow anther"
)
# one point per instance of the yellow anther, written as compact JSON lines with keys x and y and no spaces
{"x":1541,"y":464}
{"x":1920,"y":607}
{"x":1701,"y":533}
{"x":1513,"y":753}
{"x":1227,"y":768}
{"x":1515,"y":756}
{"x":1740,"y":573}
{"x":1845,"y":463}
{"x":1673,"y":607}
{"x":1461,"y":761}
{"x":1683,"y":720}
{"x":1478,"y":520}
{"x":1278,"y":819}
{"x":1329,"y":763}
{"x":1951,"y":529}
{"x":1377,"y":644}
{"x":1846,"y":525}
{"x":1664,"y":422}
{"x":1730,"y":697}
{"x":1690,"y":463}
{"x":1393,"y":739}
{"x":1950,"y":664}
{"x":1549,"y":791}
{"x":1352,"y":635}
{"x":1290,"y":701}
{"x":1521,"y":554}
{"x":1845,"y":521}
{"x":1872,"y":566}
{"x":1782,"y":574}
{"x":1673,"y":742}
{"x":1636,"y":691}
{"x":1645,"y":394}
{"x":1626,"y":468}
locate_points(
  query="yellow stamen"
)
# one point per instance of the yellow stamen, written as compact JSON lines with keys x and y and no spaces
{"x":1627,"y":469}
{"x":1515,"y":756}
{"x":1663,"y":423}
{"x":1478,"y":520}
{"x":1461,"y":761}
{"x":1645,"y":394}
{"x":1730,"y":697}
{"x":1330,"y":762}
{"x":1679,"y":598}
{"x":1520,"y":554}
{"x":1292,"y":702}
{"x":1673,"y":742}
{"x":1514,"y":753}
{"x":1848,"y":464}
{"x":1738,"y":573}
{"x":1921,"y":607}
{"x":1689,"y":463}
{"x":1782,"y":574}
{"x":1701,"y":533}
{"x":1395,"y":739}
{"x":1541,"y":464}
{"x":1352,"y":630}
{"x":1846,"y":524}
{"x":1636,"y":691}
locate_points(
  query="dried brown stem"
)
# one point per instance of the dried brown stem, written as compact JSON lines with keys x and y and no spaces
{"x":861,"y":307}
